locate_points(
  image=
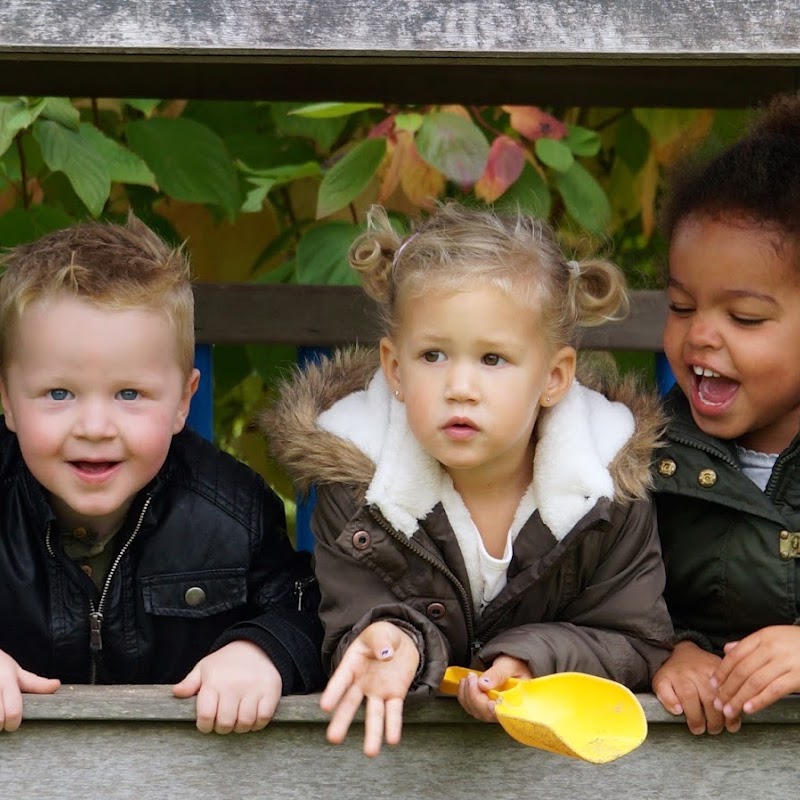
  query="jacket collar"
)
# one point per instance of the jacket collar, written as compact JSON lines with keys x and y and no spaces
{"x":577,"y":441}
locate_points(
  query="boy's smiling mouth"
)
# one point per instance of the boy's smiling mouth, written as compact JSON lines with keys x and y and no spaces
{"x":711,"y":391}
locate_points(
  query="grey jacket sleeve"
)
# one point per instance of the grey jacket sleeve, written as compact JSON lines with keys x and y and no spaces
{"x":354,"y":595}
{"x":618,"y":626}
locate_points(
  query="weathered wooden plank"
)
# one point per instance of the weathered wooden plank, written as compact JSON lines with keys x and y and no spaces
{"x":324,"y":315}
{"x":580,"y":52}
{"x":444,"y":753}
{"x":715,"y":30}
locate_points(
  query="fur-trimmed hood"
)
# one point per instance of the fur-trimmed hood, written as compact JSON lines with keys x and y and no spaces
{"x":337,"y":422}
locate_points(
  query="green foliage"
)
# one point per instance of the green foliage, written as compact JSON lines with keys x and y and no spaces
{"x":311,"y":170}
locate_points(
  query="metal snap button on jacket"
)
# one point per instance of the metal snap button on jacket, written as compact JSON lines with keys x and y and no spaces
{"x":435,"y":611}
{"x":195,"y":596}
{"x":361,"y":540}
{"x":667,"y":467}
{"x":707,"y":478}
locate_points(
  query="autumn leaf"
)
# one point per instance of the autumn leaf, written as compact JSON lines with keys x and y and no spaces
{"x":506,"y":160}
{"x":421,"y":183}
{"x":533,"y":123}
{"x":392,"y":165}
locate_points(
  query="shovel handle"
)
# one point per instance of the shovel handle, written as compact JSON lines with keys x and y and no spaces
{"x":454,"y":675}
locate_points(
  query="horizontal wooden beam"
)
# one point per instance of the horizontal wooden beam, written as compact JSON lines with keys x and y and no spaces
{"x":122,"y":742}
{"x":331,"y":315}
{"x":585,"y":52}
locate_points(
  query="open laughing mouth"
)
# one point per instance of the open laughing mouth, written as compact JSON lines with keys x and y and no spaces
{"x":94,"y":470}
{"x":711,"y":391}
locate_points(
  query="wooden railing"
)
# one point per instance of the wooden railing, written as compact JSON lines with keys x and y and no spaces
{"x":140,"y":743}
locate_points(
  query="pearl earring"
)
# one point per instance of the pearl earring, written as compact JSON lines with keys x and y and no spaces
{"x":547,"y":399}
{"x":397,"y":393}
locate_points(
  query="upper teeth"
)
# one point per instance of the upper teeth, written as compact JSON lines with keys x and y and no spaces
{"x":706,"y":373}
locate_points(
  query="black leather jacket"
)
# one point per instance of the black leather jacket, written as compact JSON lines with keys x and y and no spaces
{"x":206,"y":523}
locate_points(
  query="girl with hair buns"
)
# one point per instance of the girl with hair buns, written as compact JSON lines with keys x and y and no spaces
{"x":476,"y":505}
{"x":728,"y":487}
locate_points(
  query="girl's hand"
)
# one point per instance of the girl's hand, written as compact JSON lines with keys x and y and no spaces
{"x":13,"y":682}
{"x":379,"y":665}
{"x":757,"y":671}
{"x":683,"y":687}
{"x":472,"y":689}
{"x":237,"y":688}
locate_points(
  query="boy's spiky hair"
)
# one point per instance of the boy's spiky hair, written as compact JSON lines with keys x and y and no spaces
{"x":116,"y":267}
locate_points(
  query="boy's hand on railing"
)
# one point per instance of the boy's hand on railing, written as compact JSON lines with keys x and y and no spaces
{"x":472,"y":690}
{"x":757,"y":670}
{"x":13,"y":682}
{"x":237,"y":688}
{"x":683,"y":687}
{"x":380,"y":665}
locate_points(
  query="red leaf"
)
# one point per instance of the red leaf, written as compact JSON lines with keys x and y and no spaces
{"x":383,"y":128}
{"x":533,"y":123}
{"x":506,"y":160}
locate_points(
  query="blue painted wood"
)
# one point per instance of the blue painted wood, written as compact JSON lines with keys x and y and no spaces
{"x":665,"y":379}
{"x":305,"y":504}
{"x":201,"y":412}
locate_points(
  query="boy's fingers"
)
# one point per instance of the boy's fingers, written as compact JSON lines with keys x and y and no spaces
{"x":264,"y":713}
{"x":207,"y":702}
{"x":227,"y":712}
{"x":36,"y":684}
{"x":189,"y":686}
{"x":10,"y":709}
{"x":339,"y":683}
{"x":247,"y":716}
{"x":666,"y":696}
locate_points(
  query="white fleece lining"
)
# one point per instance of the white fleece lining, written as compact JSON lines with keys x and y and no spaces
{"x":578,"y":438}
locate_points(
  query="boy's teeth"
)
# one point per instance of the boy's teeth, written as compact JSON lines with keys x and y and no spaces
{"x":705,"y":373}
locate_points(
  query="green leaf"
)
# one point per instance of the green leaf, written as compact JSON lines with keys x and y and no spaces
{"x":332,"y":110}
{"x":123,"y":165}
{"x":529,"y":193}
{"x":632,"y":143}
{"x":584,"y":198}
{"x":325,"y":132}
{"x":454,"y":145}
{"x":347,"y":178}
{"x":664,"y":124}
{"x":409,"y":122}
{"x":14,"y":117}
{"x":264,"y":180}
{"x":20,"y":225}
{"x":322,"y":254}
{"x":189,"y":160}
{"x":60,"y":110}
{"x":145,"y":105}
{"x":582,"y":141}
{"x":66,"y":151}
{"x":554,"y":154}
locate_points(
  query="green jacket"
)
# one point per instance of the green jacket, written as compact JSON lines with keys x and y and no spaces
{"x":731,"y":550}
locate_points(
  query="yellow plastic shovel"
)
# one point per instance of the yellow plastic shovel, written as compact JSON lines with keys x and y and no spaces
{"x":569,"y":713}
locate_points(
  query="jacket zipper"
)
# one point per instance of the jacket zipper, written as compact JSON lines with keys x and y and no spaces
{"x":713,"y":451}
{"x":300,"y":586}
{"x":96,"y":613}
{"x":466,"y":602}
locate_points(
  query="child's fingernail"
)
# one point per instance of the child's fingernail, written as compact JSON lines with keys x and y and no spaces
{"x":718,"y":704}
{"x":485,"y":681}
{"x":386,"y":653}
{"x":747,"y":707}
{"x":678,"y":709}
{"x":714,"y":683}
{"x":728,"y":711}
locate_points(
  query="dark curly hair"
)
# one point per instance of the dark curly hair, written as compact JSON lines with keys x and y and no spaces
{"x":756,"y":180}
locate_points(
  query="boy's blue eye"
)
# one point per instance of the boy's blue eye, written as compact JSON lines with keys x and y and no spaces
{"x":58,"y":394}
{"x":128,"y":394}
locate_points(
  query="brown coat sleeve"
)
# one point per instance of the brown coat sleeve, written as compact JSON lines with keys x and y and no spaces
{"x":354,"y":595}
{"x":618,"y":626}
